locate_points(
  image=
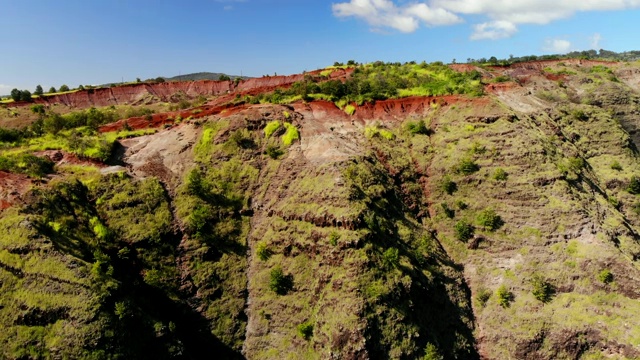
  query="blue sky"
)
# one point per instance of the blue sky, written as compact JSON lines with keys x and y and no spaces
{"x":76,"y":42}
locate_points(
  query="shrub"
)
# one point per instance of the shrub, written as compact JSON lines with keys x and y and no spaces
{"x":431,"y":353}
{"x":387,"y":134}
{"x":64,"y":88}
{"x":391,"y":257}
{"x":273,"y":151}
{"x":580,"y":115}
{"x":464,"y":231}
{"x":605,"y":276}
{"x":634,"y":186}
{"x":271,"y":127}
{"x":477,"y":148}
{"x":52,"y":90}
{"x":448,"y":212}
{"x":263,"y":251}
{"x":28,"y":164}
{"x":542,"y":289}
{"x":483,"y":296}
{"x":500,"y":79}
{"x":305,"y":330}
{"x":448,"y":186}
{"x":461,"y":205}
{"x":333,"y":238}
{"x":504,"y":296}
{"x":418,"y":127}
{"x":280,"y":283}
{"x":467,"y":166}
{"x":37,"y":109}
{"x":290,"y":135}
{"x":489,"y":219}
{"x":350,"y":109}
{"x":616,"y":166}
{"x":500,"y":175}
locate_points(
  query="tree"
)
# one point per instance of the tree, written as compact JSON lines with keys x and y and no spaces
{"x":25,"y":95}
{"x":80,"y":87}
{"x":16,"y":94}
{"x":489,"y":219}
{"x":52,"y":90}
{"x":224,"y":77}
{"x":38,"y":91}
{"x":542,"y":289}
{"x":64,"y":88}
{"x":463,"y":230}
{"x":280,"y":283}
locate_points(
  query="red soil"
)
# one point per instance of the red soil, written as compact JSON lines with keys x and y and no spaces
{"x":12,"y":187}
{"x":500,"y":87}
{"x":143,"y":92}
{"x":463,"y":67}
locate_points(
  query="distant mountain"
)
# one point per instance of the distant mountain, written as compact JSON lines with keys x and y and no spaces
{"x":202,"y":76}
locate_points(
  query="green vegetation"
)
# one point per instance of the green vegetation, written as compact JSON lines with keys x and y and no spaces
{"x":504,"y":296}
{"x":372,"y":131}
{"x":271,"y":128}
{"x":274,"y":152}
{"x":417,"y":127}
{"x":28,"y":164}
{"x":448,"y":186}
{"x":379,"y":81}
{"x":290,"y":135}
{"x":483,"y":295}
{"x":500,"y":175}
{"x":542,"y":289}
{"x":463,"y":230}
{"x":305,"y":330}
{"x":263,"y":251}
{"x":605,"y":276}
{"x":350,"y":109}
{"x":467,"y":166}
{"x":489,"y":220}
{"x":616,"y":166}
{"x":280,"y":283}
{"x":634,"y":186}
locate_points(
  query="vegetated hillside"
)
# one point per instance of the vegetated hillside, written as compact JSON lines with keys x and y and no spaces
{"x":397,"y":211}
{"x":203,"y":76}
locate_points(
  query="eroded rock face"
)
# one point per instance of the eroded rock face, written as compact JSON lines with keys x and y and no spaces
{"x":365,"y":228}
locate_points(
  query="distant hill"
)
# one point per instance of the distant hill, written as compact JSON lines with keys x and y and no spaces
{"x":202,"y":76}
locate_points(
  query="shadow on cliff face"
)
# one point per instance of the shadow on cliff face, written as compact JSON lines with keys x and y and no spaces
{"x":421,"y":301}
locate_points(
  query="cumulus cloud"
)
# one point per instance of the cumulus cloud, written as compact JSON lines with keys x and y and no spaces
{"x":494,"y":30}
{"x":558,"y":46}
{"x":385,"y":13}
{"x":503,"y":16}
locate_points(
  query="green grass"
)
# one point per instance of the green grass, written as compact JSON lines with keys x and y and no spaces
{"x":372,"y":131}
{"x":271,"y":127}
{"x":290,"y":135}
{"x":350,"y":110}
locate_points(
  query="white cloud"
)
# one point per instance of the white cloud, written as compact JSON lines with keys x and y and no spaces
{"x":385,"y":13}
{"x":493,"y":30}
{"x":595,"y":41}
{"x":503,"y":16}
{"x":557,"y":46}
